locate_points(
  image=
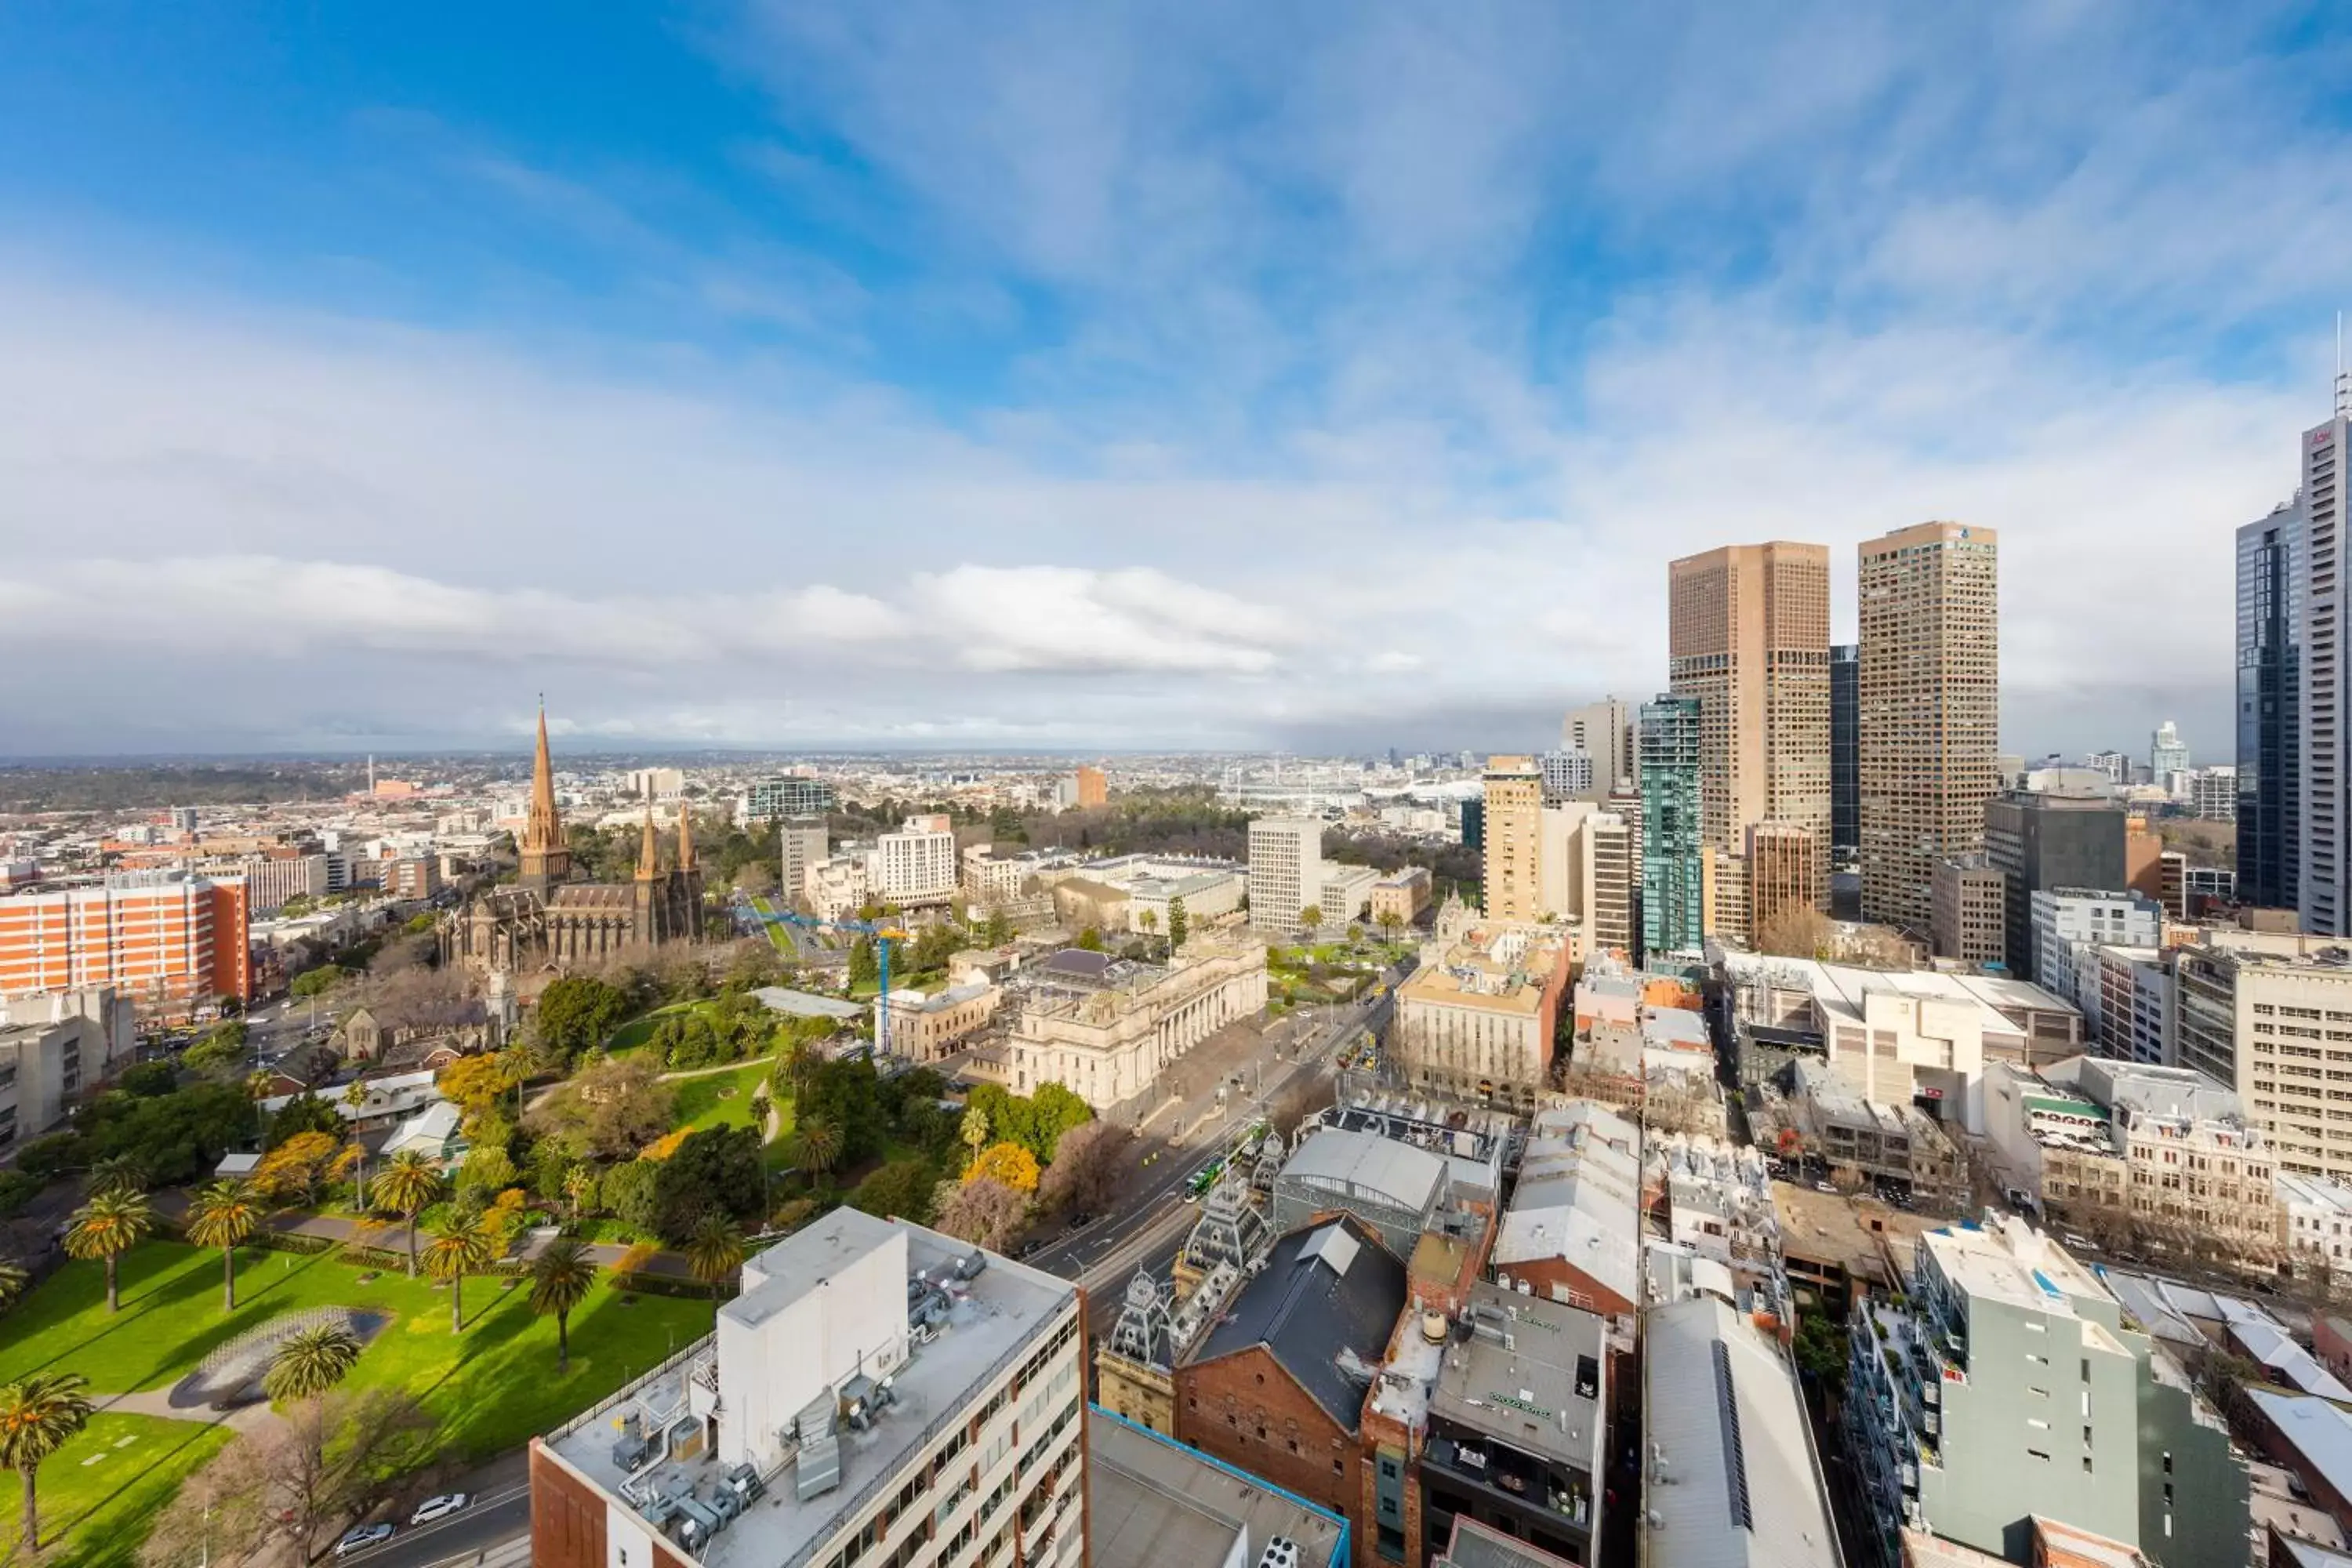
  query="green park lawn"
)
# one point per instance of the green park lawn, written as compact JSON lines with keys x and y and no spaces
{"x":492,"y":1388}
{"x":102,"y":1491}
{"x":724,"y":1098}
{"x":632,"y":1035}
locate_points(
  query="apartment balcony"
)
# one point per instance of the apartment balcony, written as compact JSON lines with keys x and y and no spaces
{"x":1514,"y":1479}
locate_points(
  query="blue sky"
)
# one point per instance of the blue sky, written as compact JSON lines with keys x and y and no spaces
{"x":1104,"y":376}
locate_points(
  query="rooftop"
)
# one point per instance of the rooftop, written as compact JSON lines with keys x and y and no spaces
{"x":1150,"y":1502}
{"x":1330,"y":1295}
{"x":1500,"y":968}
{"x":1578,"y":1197}
{"x":827,"y":1294}
{"x":2013,"y":1262}
{"x":1412,"y":1178}
{"x":2320,"y":1433}
{"x":1473,"y":1545}
{"x":807,"y":1003}
{"x":1838,"y":989}
{"x":1724,"y":1424}
{"x":1528,"y":1375}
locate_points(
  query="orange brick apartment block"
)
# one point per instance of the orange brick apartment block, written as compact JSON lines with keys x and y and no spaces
{"x":169,"y":943}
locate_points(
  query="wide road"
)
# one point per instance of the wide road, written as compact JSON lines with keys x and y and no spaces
{"x":458,"y":1541}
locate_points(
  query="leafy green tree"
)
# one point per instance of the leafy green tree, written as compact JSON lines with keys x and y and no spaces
{"x":975,"y":1130}
{"x":1310,"y":919}
{"x":1179,"y":922}
{"x":317,"y":982}
{"x":902,"y":1187}
{"x":627,"y":1191}
{"x":460,"y":1247}
{"x":849,"y":1094}
{"x":39,"y":1416}
{"x":406,"y":1185}
{"x":306,"y":1112}
{"x":226,"y":1214}
{"x":560,"y":1278}
{"x":577,"y":1012}
{"x":1090,"y":939}
{"x":148,"y":1079}
{"x":715,"y":1170}
{"x":310,"y":1361}
{"x":998,"y":928}
{"x":110,"y":1224}
{"x":219,"y":1052}
{"x":715,"y":1250}
{"x":865,"y":968}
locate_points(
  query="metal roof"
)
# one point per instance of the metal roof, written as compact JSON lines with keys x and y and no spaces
{"x":2320,"y":1433}
{"x":1410,"y":1176}
{"x":1309,"y":1316}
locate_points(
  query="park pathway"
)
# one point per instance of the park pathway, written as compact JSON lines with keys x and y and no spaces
{"x":158,"y":1402}
{"x":392,"y":1235}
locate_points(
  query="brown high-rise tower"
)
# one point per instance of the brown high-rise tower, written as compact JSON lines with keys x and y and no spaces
{"x":546,"y":860}
{"x":1929,"y":685}
{"x":1748,"y":636}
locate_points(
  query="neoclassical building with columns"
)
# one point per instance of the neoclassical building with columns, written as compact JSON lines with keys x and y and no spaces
{"x":1105,"y":1027}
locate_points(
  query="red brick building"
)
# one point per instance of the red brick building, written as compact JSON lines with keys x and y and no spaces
{"x":1278,"y":1387}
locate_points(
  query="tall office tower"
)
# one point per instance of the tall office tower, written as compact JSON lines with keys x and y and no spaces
{"x":2270,"y":705}
{"x":1674,"y":847}
{"x":1747,"y":634}
{"x":1514,"y":838}
{"x":1604,"y":730}
{"x":2323,"y":898}
{"x":2166,"y":754}
{"x":1929,"y":688}
{"x":1845,"y":753}
{"x":1285,"y":871}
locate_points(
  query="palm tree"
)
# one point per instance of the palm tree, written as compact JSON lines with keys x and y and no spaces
{"x":110,"y":1224}
{"x":310,"y":1361}
{"x":116,"y":1174}
{"x":12,"y":1280}
{"x":458,"y":1248}
{"x":405,"y":1185}
{"x":560,"y":1277}
{"x":715,"y":1250}
{"x":225,"y":1214}
{"x":1150,"y":920}
{"x":816,"y":1145}
{"x":579,"y":1185}
{"x":39,"y":1416}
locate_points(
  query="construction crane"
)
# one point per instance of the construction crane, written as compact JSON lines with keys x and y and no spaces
{"x":883,"y":935}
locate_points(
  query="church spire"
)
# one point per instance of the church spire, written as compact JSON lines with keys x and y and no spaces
{"x":685,"y":837}
{"x":649,"y":852}
{"x":545,"y":860}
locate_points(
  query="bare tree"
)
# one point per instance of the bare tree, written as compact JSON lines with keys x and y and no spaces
{"x":986,"y":1213}
{"x":1085,"y":1166}
{"x":1797,"y":931}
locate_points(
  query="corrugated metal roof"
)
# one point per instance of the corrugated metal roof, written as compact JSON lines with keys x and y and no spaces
{"x":1409,"y":1175}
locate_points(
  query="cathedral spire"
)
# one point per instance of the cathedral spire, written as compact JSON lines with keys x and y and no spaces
{"x":545,"y":860}
{"x":685,"y":837}
{"x":649,"y":852}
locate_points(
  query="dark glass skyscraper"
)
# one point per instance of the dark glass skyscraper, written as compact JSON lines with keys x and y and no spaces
{"x":2269,"y":696}
{"x":1845,"y":753}
{"x":1674,"y":849}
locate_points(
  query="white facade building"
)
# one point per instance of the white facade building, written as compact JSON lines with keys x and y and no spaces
{"x":916,"y":865}
{"x":2069,"y":921}
{"x":1285,"y":871}
{"x":1346,"y":892}
{"x":803,"y":848}
{"x":53,"y":1048}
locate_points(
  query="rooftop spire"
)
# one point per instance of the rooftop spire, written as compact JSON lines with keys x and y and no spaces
{"x":685,"y":837}
{"x":649,"y":850}
{"x":545,"y":861}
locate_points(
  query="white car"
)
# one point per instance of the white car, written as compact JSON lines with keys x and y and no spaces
{"x":359,"y":1538}
{"x":440,"y":1507}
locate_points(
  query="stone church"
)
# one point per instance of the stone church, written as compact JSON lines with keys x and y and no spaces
{"x":543,"y":920}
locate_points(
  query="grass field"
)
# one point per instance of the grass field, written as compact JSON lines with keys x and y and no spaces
{"x":632,"y":1035}
{"x":102,"y":1491}
{"x":724,"y":1098}
{"x":492,"y":1388}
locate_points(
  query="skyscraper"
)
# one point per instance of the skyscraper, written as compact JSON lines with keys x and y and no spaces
{"x":2166,"y":754}
{"x":1747,"y":634}
{"x":1514,"y":838}
{"x":1845,"y":753}
{"x":1604,"y":730}
{"x":1929,"y":688}
{"x":2323,"y":897}
{"x":1285,"y":871}
{"x":1674,"y":849}
{"x":2270,"y":705}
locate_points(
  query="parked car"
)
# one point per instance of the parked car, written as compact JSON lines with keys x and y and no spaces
{"x":440,"y":1507}
{"x":362,"y":1538}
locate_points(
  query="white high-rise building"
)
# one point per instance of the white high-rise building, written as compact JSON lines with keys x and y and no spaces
{"x":2166,"y":754}
{"x":877,"y":1394}
{"x":1285,"y":871}
{"x":916,"y":865}
{"x":2325,"y":901}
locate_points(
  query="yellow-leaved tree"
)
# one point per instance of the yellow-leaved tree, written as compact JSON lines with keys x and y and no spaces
{"x":1010,"y":1163}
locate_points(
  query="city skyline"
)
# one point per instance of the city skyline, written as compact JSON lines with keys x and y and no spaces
{"x":785,"y":380}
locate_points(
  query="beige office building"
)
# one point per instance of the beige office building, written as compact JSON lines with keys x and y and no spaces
{"x":1604,"y":730}
{"x":1930,"y":698}
{"x":1784,"y":872}
{"x":1587,"y":872}
{"x":1968,"y":918}
{"x":2269,"y":1015}
{"x":1748,"y":636}
{"x":1514,"y":838}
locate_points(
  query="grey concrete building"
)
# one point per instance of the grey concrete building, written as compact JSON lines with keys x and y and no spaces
{"x":2007,"y":1386}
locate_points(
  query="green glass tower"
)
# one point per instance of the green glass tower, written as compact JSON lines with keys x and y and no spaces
{"x":1673,"y":878}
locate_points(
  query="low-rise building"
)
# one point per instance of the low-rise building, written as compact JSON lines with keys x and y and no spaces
{"x":2315,"y":1220}
{"x":1348,"y":892}
{"x":1106,"y":1028}
{"x":1572,"y":1230}
{"x":1897,"y":1150}
{"x":1399,"y":899}
{"x":2069,"y":923}
{"x":926,"y":1027}
{"x":1151,"y":1503}
{"x":1388,"y":1185}
{"x":1477,"y":1020}
{"x":878,"y":1392}
{"x":838,"y":887}
{"x":1968,"y":913}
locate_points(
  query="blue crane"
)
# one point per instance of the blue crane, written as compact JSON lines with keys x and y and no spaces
{"x":884,"y":935}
